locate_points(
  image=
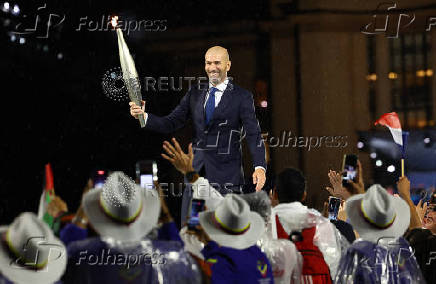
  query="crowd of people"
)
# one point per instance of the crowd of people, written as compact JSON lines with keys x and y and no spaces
{"x":123,"y":233}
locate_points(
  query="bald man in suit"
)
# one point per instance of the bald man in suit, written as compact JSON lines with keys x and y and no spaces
{"x":222,"y":114}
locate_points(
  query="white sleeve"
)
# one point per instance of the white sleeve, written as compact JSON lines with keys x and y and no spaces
{"x":203,"y":190}
{"x":326,"y":239}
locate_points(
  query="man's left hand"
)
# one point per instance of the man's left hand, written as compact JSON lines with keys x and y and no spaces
{"x":259,"y":178}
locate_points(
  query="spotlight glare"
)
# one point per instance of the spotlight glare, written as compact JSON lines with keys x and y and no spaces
{"x":373,"y":155}
{"x":391,"y":168}
{"x":60,"y":56}
{"x":360,"y":145}
{"x":6,"y":6}
{"x":22,"y":40}
{"x":426,"y":140}
{"x":378,"y":163}
{"x":13,"y":38}
{"x":16,"y":10}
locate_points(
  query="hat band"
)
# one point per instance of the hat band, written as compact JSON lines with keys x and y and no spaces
{"x":125,"y":221}
{"x":372,"y":222}
{"x":219,"y":224}
{"x":20,"y":259}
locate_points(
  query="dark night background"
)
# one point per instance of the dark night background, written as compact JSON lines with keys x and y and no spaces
{"x":54,"y":110}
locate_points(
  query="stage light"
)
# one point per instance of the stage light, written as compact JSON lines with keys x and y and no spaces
{"x":6,"y":7}
{"x":100,"y":172}
{"x":16,"y":10}
{"x":22,"y":40}
{"x":373,"y":155}
{"x":391,"y":168}
{"x":360,"y":145}
{"x":429,"y":72}
{"x":13,"y":38}
{"x":378,"y":163}
{"x":60,"y":56}
{"x":427,"y":140}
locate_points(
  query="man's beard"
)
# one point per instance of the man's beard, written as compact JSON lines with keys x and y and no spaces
{"x":214,"y":79}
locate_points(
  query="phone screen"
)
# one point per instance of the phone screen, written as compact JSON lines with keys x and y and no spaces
{"x":99,"y":178}
{"x":349,"y":168}
{"x":146,"y":173}
{"x":196,"y":207}
{"x":146,"y":181}
{"x":334,"y":204}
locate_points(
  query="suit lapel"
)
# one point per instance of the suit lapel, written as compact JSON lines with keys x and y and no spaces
{"x":200,"y":107}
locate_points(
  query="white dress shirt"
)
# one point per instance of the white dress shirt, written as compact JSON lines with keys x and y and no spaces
{"x":218,"y":93}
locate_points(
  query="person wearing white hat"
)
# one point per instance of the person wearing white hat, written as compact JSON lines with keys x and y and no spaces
{"x":30,"y":253}
{"x":230,"y":233}
{"x":380,"y":255}
{"x":123,"y":213}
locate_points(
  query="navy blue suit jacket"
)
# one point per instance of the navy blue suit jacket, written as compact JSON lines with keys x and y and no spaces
{"x":217,"y":146}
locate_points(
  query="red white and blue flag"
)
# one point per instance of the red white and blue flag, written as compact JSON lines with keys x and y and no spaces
{"x":392,"y":121}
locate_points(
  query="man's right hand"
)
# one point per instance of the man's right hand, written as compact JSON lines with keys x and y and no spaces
{"x":137,"y":111}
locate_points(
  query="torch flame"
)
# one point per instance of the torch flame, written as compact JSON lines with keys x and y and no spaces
{"x":114,"y":21}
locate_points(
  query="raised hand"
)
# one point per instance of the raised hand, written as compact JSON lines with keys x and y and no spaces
{"x":175,"y":155}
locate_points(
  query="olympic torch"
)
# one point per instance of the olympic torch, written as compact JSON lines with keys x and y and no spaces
{"x":130,"y":76}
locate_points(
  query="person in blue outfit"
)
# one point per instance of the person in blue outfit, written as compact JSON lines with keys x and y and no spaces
{"x":380,"y":255}
{"x":230,"y":233}
{"x":222,"y":114}
{"x":123,"y":214}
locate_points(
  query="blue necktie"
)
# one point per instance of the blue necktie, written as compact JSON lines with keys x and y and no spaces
{"x":210,"y":104}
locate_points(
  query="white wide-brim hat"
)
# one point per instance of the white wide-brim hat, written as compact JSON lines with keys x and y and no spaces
{"x":232,"y":224}
{"x":29,"y":240}
{"x":121,"y":209}
{"x":377,"y":215}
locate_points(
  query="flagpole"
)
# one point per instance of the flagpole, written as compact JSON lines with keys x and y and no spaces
{"x":402,"y":167}
{"x":405,"y":136}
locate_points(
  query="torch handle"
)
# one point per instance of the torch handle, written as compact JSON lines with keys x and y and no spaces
{"x":142,"y":121}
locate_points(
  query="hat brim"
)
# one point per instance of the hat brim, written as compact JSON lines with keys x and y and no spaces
{"x":107,"y":227}
{"x":52,"y":272}
{"x":243,"y":241}
{"x":368,"y":232}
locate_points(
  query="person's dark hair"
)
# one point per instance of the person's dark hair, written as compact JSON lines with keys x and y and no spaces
{"x":290,"y":185}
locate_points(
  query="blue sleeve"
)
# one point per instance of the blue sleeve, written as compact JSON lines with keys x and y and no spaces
{"x":220,"y":267}
{"x":71,"y":233}
{"x":252,"y":130}
{"x":173,"y":121}
{"x":169,"y":232}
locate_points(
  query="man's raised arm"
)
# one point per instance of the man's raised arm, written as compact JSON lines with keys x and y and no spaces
{"x":165,"y":124}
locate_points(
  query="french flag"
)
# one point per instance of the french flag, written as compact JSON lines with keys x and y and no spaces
{"x":392,"y":121}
